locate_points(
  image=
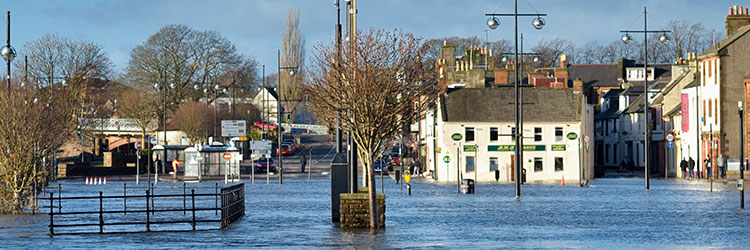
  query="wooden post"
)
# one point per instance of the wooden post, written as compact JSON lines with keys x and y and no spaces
{"x":216,"y":197}
{"x":124,"y":198}
{"x":184,"y":204}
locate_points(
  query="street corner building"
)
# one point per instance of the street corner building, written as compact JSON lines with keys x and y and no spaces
{"x":474,"y":126}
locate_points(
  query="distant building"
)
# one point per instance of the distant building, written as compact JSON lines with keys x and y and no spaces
{"x":266,"y":101}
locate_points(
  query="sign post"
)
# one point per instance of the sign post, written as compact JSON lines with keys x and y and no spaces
{"x":227,"y":157}
{"x":138,"y":146}
{"x":407,"y":177}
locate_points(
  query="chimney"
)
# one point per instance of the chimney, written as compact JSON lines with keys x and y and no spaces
{"x":563,"y":60}
{"x":578,"y":84}
{"x":448,"y":53}
{"x":736,"y":19}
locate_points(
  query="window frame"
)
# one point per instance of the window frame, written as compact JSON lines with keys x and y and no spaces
{"x":468,"y":138}
{"x":538,"y":135}
{"x":540,"y":166}
{"x":473,"y":163}
{"x":562,"y":164}
{"x":496,"y":136}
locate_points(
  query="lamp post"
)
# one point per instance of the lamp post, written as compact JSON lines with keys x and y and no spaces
{"x":279,"y":109}
{"x":538,"y":24}
{"x":626,"y":38}
{"x":165,"y":90}
{"x":9,"y":53}
{"x":740,"y":182}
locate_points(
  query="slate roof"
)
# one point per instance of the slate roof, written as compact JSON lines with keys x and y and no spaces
{"x":272,"y":92}
{"x":496,"y":105}
{"x":726,"y":41}
{"x":595,"y":75}
{"x":636,"y":106}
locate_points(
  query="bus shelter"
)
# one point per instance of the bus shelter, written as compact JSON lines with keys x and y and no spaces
{"x":211,"y":162}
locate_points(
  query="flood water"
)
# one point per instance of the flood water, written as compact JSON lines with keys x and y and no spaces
{"x":611,"y":213}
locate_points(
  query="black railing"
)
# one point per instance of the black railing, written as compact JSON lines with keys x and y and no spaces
{"x":232,"y":208}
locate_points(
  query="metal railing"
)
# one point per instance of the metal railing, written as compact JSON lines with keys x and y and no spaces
{"x":232,"y":208}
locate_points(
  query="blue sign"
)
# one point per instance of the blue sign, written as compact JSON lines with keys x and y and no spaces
{"x":153,"y":140}
{"x":670,"y":144}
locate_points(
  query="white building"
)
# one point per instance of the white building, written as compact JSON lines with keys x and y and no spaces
{"x":473,"y":125}
{"x":266,"y":102}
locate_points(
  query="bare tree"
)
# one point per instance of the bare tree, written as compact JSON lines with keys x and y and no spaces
{"x":34,"y":126}
{"x":194,"y":119}
{"x":688,"y":37}
{"x":140,"y":105}
{"x":380,"y":84}
{"x":292,"y":55}
{"x":551,"y":50}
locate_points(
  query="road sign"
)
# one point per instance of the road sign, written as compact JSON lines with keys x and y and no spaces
{"x":407,"y":175}
{"x":586,"y":139}
{"x":138,"y":145}
{"x":670,"y":137}
{"x":231,"y":128}
{"x":153,"y":140}
{"x":670,"y":144}
{"x":447,"y":159}
{"x":227,"y":156}
{"x":260,"y":145}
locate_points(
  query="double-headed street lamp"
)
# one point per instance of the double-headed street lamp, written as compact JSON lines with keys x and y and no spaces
{"x":9,"y":53}
{"x":279,"y":109}
{"x":538,"y":24}
{"x":626,"y":38}
{"x":165,"y":90}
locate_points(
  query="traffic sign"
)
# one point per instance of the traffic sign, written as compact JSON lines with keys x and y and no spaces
{"x":447,"y":159}
{"x":231,"y":128}
{"x":670,"y":144}
{"x":670,"y":137}
{"x":138,"y":145}
{"x":227,"y":156}
{"x":153,"y":140}
{"x":407,"y":175}
{"x":586,"y":139}
{"x":260,"y":145}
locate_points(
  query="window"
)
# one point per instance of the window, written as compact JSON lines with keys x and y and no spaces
{"x":513,"y":133}
{"x":493,"y":134}
{"x":469,"y":163}
{"x":558,"y":134}
{"x":469,"y":134}
{"x":538,"y":167}
{"x":606,"y":128}
{"x":716,"y":111}
{"x":493,"y":164}
{"x":537,"y":134}
{"x":710,"y":67}
{"x":558,"y":164}
{"x":710,"y":110}
{"x":704,"y":113}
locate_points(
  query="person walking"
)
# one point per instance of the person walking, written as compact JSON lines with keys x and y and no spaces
{"x":691,"y":166}
{"x":302,"y":163}
{"x":720,"y":164}
{"x":683,"y":167}
{"x":707,"y":167}
{"x":631,"y":166}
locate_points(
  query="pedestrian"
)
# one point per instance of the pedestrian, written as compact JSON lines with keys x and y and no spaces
{"x":720,"y":164}
{"x":302,"y":163}
{"x":631,"y":166}
{"x":683,"y":167}
{"x":175,"y":164}
{"x":707,"y":165}
{"x":691,"y":166}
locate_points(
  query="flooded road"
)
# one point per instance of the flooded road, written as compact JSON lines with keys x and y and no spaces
{"x":615,"y":213}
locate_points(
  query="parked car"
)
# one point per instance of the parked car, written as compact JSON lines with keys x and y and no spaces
{"x":286,"y":149}
{"x":292,"y":143}
{"x":265,"y":125}
{"x":260,"y":165}
{"x":380,"y":163}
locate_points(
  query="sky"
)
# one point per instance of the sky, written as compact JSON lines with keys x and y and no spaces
{"x":255,"y":26}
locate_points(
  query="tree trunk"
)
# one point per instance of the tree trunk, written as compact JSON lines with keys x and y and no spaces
{"x":366,"y":159}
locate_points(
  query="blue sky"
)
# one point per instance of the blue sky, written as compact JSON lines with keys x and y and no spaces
{"x":254,"y":26}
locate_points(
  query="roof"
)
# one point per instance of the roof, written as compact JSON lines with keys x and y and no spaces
{"x":595,"y":75}
{"x":613,"y":93}
{"x":272,"y":92}
{"x":636,"y":106}
{"x":725,"y":42}
{"x":496,"y":105}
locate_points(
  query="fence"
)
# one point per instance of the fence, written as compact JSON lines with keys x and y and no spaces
{"x":165,"y":217}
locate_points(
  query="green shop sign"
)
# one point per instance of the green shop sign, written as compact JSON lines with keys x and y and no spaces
{"x":572,"y":136}
{"x":558,"y":147}
{"x":470,"y":148}
{"x":457,"y":137}
{"x":513,"y":147}
{"x":447,"y":159}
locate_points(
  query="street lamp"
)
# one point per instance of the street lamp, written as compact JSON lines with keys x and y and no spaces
{"x":740,"y":182}
{"x":279,"y":109}
{"x":164,"y":122}
{"x":626,"y":38}
{"x":538,"y":24}
{"x":9,"y":53}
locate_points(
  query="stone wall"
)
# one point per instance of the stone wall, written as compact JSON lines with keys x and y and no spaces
{"x":355,"y":212}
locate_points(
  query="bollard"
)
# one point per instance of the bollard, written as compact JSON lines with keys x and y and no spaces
{"x":148,"y":217}
{"x":59,"y":198}
{"x":124,"y":198}
{"x":51,"y":213}
{"x":192,"y":194}
{"x":101,"y":215}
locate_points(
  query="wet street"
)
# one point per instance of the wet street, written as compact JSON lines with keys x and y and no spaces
{"x":608,"y":213}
